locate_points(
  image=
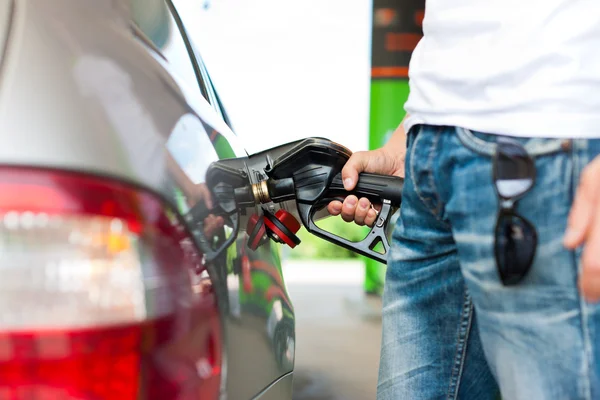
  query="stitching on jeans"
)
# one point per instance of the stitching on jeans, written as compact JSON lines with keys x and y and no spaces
{"x":412,"y":172}
{"x":473,"y":143}
{"x":432,"y":151}
{"x":461,"y":351}
{"x":440,"y":205}
{"x":482,"y":147}
{"x":426,"y":201}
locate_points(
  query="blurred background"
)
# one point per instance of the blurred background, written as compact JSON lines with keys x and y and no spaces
{"x":306,"y":66}
{"x":306,"y":69}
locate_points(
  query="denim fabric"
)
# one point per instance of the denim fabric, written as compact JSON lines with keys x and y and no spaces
{"x":451,"y":330}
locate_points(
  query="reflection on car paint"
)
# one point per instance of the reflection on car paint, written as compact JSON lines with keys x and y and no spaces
{"x":249,"y":283}
{"x":191,"y":147}
{"x":254,"y":279}
{"x":221,"y":145}
{"x":259,"y":290}
{"x":153,"y":19}
{"x":105,"y":81}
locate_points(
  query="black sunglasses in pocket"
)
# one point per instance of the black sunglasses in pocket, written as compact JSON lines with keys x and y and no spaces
{"x":515,"y":238}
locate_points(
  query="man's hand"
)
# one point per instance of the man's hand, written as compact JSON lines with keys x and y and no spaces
{"x":388,"y":160}
{"x":584,"y":228}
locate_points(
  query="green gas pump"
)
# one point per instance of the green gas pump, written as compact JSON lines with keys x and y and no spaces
{"x":396,"y":30}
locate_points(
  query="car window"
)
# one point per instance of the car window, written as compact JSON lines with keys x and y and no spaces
{"x":223,"y":111}
{"x":204,"y":76}
{"x":218,"y":105}
{"x":158,"y":22}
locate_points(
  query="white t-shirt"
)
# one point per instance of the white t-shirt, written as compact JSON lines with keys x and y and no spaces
{"x":513,"y":67}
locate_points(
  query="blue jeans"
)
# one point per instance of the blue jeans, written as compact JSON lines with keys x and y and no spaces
{"x":451,"y":330}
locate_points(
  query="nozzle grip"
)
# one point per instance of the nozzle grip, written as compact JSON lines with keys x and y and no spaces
{"x":372,"y":186}
{"x":383,"y":189}
{"x":365,"y":247}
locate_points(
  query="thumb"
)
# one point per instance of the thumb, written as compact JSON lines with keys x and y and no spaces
{"x":356,"y":164}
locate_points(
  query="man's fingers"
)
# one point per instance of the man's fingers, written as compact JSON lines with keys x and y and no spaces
{"x":589,"y":284}
{"x":590,"y":276}
{"x":589,"y":281}
{"x":371,"y":217}
{"x":335,"y":207}
{"x":361,"y":211}
{"x":349,"y":208}
{"x":584,"y":227}
{"x":584,"y":205}
{"x":355,"y":165}
{"x":364,"y":205}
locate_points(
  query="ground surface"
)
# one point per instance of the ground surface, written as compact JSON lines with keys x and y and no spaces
{"x":338,"y":332}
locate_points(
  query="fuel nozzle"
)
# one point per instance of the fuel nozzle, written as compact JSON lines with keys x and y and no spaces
{"x":310,"y":174}
{"x":307,"y":172}
{"x":280,"y":226}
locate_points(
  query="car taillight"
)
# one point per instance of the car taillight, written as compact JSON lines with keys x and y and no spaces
{"x":102,"y":294}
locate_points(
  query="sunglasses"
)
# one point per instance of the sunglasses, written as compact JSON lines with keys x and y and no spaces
{"x":515,"y":238}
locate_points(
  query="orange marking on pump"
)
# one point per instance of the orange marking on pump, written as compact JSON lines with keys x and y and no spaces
{"x":385,"y":16}
{"x":401,"y":41}
{"x":419,"y":16}
{"x":389,"y":72}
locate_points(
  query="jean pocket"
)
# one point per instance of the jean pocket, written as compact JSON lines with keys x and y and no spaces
{"x":412,"y":134}
{"x":485,"y":143}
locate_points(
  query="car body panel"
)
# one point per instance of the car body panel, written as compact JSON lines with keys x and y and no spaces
{"x":83,"y":89}
{"x":281,"y":389}
{"x":6,"y":10}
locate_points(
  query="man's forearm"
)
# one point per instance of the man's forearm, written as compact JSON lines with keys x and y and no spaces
{"x":398,"y":139}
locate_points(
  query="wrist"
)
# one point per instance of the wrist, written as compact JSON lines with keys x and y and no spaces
{"x":396,"y":146}
{"x":395,"y":150}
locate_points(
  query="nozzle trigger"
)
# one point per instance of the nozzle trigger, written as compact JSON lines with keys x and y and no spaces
{"x":365,"y":247}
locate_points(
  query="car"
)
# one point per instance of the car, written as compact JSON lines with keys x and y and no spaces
{"x":110,"y":122}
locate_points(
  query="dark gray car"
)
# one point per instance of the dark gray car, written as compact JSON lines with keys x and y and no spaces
{"x":110,"y":122}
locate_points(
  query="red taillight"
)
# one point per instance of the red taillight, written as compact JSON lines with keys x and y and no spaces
{"x":101,"y":295}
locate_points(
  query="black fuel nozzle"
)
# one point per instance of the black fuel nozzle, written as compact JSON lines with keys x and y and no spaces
{"x":310,"y":174}
{"x":307,"y":172}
